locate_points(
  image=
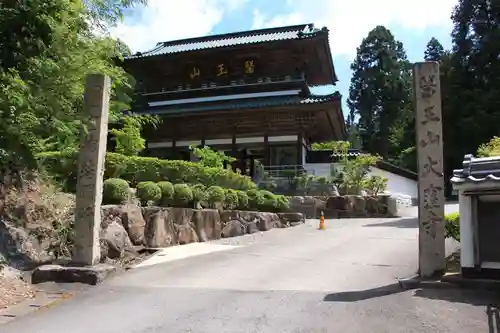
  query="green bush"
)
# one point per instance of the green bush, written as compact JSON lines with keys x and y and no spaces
{"x":62,"y":166}
{"x":148,"y":192}
{"x":115,"y":191}
{"x":270,"y":201}
{"x":255,"y":199}
{"x":452,"y":226}
{"x":135,"y":169}
{"x":183,"y":195}
{"x":215,"y":195}
{"x":167,"y":192}
{"x":200,"y":194}
{"x":242,"y":200}
{"x":230,"y":199}
{"x":282,"y":203}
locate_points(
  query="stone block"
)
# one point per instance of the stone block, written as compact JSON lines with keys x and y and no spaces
{"x":66,"y":274}
{"x":288,"y":219}
{"x":159,"y":230}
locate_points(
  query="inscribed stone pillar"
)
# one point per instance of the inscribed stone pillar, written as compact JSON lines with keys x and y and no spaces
{"x":430,"y":168}
{"x":91,"y":169}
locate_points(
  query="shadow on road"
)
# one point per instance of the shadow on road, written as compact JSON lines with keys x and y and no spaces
{"x":456,"y":295}
{"x":399,"y":223}
{"x":361,"y":295}
{"x":489,"y":299}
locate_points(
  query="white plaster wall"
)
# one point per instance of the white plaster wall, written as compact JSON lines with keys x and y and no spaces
{"x":396,"y":185}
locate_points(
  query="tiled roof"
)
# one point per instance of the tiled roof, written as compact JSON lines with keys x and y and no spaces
{"x":249,"y":103}
{"x":246,"y":37}
{"x":477,"y":170}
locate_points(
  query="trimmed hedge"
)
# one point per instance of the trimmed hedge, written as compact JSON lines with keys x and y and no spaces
{"x":135,"y":169}
{"x":187,"y":196}
{"x":183,"y":195}
{"x":148,"y":192}
{"x":115,"y":191}
{"x":167,"y":192}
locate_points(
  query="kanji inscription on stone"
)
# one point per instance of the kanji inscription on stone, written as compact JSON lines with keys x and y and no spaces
{"x":430,"y":168}
{"x":91,"y":170}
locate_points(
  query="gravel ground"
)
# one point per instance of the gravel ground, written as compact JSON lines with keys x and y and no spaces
{"x":13,"y":290}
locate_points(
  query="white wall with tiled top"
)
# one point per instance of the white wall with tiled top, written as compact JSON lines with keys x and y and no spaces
{"x":398,"y":186}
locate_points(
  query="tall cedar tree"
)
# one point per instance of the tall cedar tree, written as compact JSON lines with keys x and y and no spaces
{"x":380,"y":92}
{"x":434,"y":50}
{"x":474,"y":97}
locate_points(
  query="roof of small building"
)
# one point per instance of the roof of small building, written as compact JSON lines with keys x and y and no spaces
{"x":477,"y":170}
{"x":302,"y":31}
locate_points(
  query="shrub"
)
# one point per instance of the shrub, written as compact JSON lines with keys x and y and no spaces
{"x":255,"y":199}
{"x":115,"y":191}
{"x":452,"y":226}
{"x":183,"y":195}
{"x":242,"y":200}
{"x":211,"y":158}
{"x":215,"y":195}
{"x":375,"y":184}
{"x":135,"y":169}
{"x":492,"y":148}
{"x":200,"y":195}
{"x":282,"y":203}
{"x":270,"y":201}
{"x":167,"y":192}
{"x":148,"y":192}
{"x":230,"y":199}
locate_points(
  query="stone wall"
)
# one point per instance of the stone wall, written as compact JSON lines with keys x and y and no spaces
{"x":349,"y":206}
{"x":155,"y":227}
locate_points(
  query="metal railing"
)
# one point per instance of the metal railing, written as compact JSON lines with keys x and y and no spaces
{"x":283,"y":171}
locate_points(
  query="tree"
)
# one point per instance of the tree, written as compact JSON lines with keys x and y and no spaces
{"x":129,"y":140}
{"x":473,"y":101}
{"x":434,"y":50}
{"x":47,"y":48}
{"x":108,"y":12}
{"x":380,"y":92}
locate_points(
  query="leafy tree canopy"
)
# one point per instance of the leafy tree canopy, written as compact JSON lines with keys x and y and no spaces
{"x":47,"y":48}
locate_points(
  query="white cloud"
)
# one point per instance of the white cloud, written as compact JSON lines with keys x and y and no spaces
{"x":164,"y":20}
{"x":349,"y":21}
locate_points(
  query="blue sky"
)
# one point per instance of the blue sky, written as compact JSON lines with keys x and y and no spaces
{"x":413,"y":22}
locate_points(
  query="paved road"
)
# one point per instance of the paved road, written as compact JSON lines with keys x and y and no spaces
{"x":292,"y":280}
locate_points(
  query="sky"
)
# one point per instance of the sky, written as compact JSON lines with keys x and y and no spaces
{"x":413,"y":22}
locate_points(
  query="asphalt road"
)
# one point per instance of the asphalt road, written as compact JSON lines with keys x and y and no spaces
{"x":300,"y":279}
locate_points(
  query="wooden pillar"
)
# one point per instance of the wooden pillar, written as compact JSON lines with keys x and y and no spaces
{"x":233,"y":145}
{"x":174,"y":149}
{"x":300,"y":150}
{"x":252,"y":166}
{"x":267,"y":153}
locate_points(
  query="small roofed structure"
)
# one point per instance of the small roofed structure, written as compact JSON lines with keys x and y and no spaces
{"x":245,"y":93}
{"x":478,"y":184}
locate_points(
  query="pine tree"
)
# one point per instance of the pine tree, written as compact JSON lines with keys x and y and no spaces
{"x":380,"y":91}
{"x":434,"y":50}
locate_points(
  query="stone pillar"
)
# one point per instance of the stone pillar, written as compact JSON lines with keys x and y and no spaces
{"x":91,"y":170}
{"x":428,"y":122}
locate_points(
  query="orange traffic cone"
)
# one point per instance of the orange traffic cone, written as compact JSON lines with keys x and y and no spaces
{"x":322,"y":221}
